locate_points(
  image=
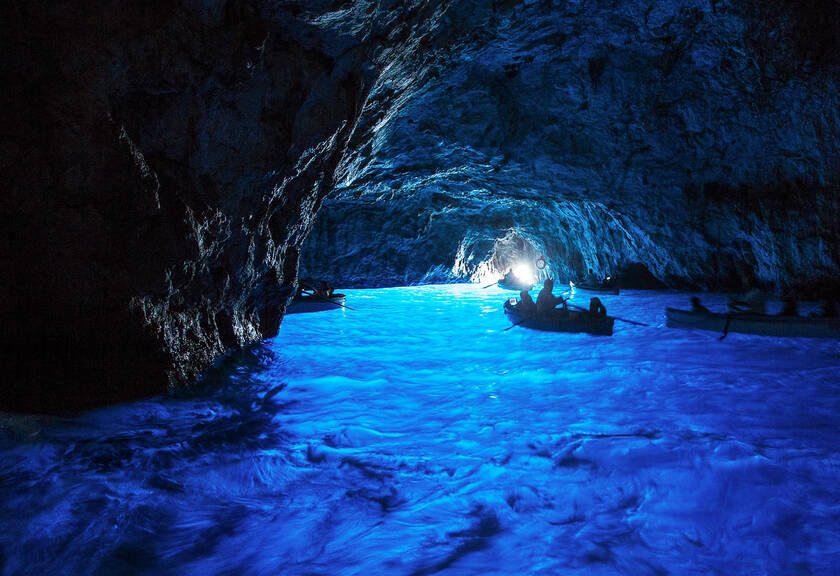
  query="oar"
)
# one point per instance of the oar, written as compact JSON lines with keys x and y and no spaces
{"x":726,"y":327}
{"x":616,"y":317}
{"x":330,"y":301}
{"x":518,"y":323}
{"x":488,"y":286}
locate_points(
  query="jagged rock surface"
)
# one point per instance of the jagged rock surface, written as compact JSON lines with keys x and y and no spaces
{"x":162,"y":163}
{"x":698,"y":138}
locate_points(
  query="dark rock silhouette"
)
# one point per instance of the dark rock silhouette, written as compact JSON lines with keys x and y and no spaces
{"x":162,"y":163}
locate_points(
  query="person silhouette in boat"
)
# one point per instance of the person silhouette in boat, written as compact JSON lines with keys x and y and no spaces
{"x":509,"y":277}
{"x":590,"y":279}
{"x":526,"y":303}
{"x":597,"y":307}
{"x":324,"y":290}
{"x":546,"y":300}
{"x":697,"y":306}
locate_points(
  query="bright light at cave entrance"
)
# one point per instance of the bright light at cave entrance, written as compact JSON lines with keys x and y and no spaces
{"x":525,"y":273}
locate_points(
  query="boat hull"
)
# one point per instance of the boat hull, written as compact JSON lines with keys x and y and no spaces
{"x":757,"y":324}
{"x":560,"y":320}
{"x":614,"y":290}
{"x":518,"y":287}
{"x":304,"y":304}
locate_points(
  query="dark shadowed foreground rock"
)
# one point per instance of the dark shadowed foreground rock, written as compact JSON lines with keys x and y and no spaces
{"x":700,"y":140}
{"x":162,"y":163}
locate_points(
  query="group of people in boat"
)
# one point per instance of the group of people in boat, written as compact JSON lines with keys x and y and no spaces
{"x":307,"y":288}
{"x":510,"y":277}
{"x":512,"y":280}
{"x":546,"y":301}
{"x":755,"y":302}
{"x":592,"y":279}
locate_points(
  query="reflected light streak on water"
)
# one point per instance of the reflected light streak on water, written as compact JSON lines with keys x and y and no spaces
{"x":415,"y":436}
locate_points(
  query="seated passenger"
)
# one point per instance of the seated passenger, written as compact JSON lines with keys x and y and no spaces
{"x":546,"y":300}
{"x":324,"y":290}
{"x":696,"y":306}
{"x":526,"y":303}
{"x":596,"y":307}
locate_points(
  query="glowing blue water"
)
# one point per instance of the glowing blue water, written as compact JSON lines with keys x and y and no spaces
{"x":415,"y":436}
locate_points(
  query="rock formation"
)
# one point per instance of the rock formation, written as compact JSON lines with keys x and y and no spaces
{"x":162,"y":163}
{"x":698,"y":139}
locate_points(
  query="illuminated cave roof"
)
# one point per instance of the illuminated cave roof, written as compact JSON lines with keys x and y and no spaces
{"x":605,"y":134}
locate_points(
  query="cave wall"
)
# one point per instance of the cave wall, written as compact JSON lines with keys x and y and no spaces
{"x":162,"y":164}
{"x":699,"y":138}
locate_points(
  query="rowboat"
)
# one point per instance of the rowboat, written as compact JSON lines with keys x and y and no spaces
{"x":561,"y":320}
{"x":750,"y":323}
{"x":600,"y":289}
{"x":517,"y":285}
{"x":310,"y":303}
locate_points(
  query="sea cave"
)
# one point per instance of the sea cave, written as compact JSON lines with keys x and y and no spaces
{"x":426,"y":287}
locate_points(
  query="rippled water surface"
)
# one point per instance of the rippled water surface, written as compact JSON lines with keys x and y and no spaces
{"x":415,"y":436}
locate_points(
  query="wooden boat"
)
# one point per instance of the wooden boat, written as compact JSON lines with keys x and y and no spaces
{"x":514,"y":284}
{"x":309,"y":303}
{"x":599,"y":289}
{"x":759,"y":324}
{"x":561,"y":320}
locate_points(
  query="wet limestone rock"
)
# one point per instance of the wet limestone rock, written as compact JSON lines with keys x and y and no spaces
{"x":162,"y":163}
{"x":697,"y":139}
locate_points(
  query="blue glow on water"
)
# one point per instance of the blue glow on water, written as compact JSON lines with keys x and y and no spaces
{"x":415,"y":436}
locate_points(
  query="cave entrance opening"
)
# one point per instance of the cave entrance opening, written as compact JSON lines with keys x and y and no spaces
{"x":514,"y":251}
